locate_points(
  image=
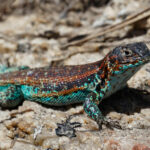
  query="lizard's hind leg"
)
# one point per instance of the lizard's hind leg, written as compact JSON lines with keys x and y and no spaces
{"x":10,"y":96}
{"x":5,"y":69}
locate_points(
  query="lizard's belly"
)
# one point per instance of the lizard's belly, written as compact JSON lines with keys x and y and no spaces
{"x":45,"y":97}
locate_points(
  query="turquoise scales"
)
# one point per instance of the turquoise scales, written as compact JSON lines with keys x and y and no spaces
{"x":89,"y":83}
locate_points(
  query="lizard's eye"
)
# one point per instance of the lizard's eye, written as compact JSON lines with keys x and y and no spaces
{"x":126,"y":52}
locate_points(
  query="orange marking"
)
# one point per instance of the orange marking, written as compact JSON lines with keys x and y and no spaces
{"x":58,"y":93}
{"x":112,"y":57}
{"x":102,"y":75}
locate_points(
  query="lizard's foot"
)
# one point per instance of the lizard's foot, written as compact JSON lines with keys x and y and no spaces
{"x":67,"y":128}
{"x":108,"y":123}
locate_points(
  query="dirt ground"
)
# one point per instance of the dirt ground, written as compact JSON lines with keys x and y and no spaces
{"x":38,"y":33}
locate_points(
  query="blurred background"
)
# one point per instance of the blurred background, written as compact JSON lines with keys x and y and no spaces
{"x":38,"y":33}
{"x":62,"y":32}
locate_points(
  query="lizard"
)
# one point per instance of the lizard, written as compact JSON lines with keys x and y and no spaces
{"x":87,"y":84}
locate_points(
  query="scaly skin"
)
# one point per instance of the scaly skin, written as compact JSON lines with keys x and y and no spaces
{"x":89,"y":83}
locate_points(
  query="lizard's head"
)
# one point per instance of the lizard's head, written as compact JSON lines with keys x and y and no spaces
{"x":129,"y":56}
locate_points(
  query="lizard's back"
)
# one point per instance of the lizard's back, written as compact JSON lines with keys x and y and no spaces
{"x":53,"y":84}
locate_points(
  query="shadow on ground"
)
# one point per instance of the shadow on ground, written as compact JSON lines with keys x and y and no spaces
{"x":127,"y":101}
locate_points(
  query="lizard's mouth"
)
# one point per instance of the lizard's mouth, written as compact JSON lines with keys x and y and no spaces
{"x":134,"y":60}
{"x":146,"y":58}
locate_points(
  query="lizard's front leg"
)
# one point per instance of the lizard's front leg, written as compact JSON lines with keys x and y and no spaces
{"x":91,"y":107}
{"x":92,"y":110}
